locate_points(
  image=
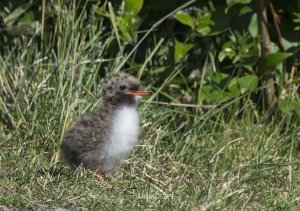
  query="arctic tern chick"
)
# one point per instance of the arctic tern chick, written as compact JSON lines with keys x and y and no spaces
{"x":101,"y":140}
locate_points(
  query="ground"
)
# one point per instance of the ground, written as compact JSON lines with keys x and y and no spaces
{"x":180,"y":162}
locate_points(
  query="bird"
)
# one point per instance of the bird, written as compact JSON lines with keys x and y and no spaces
{"x":102,"y":139}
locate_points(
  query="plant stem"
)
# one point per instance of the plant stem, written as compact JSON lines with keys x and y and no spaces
{"x":267,"y":80}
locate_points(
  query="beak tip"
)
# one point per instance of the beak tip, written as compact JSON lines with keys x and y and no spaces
{"x":147,"y":93}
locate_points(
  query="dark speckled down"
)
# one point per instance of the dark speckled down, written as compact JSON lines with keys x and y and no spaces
{"x":89,"y":141}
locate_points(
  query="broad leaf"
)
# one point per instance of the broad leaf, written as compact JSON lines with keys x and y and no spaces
{"x":185,"y":19}
{"x":133,"y":7}
{"x":242,"y":85}
{"x":231,"y":3}
{"x":234,"y":87}
{"x":203,"y":24}
{"x":297,"y":21}
{"x":271,"y":61}
{"x":244,"y":10}
{"x":217,"y":77}
{"x":287,"y":105}
{"x":248,"y":83}
{"x":226,"y":52}
{"x":181,"y":49}
{"x":253,"y":26}
{"x":296,"y":107}
{"x":213,"y":95}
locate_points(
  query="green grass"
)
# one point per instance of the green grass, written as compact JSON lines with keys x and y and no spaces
{"x":176,"y":165}
{"x":186,"y":158}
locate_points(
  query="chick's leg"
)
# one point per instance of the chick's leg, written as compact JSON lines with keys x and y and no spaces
{"x":101,"y":178}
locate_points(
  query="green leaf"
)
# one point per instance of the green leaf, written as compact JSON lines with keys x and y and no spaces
{"x":226,"y":52}
{"x":185,"y":19}
{"x":203,"y":24}
{"x":248,"y":83}
{"x":217,"y":77}
{"x":213,"y":95}
{"x":26,"y":19}
{"x":244,"y":10}
{"x":203,"y":31}
{"x":271,"y":61}
{"x":297,"y":21}
{"x":297,"y":18}
{"x":234,"y":87}
{"x":242,"y":85}
{"x":181,"y":49}
{"x":296,"y":107}
{"x":128,"y":25}
{"x":253,"y":26}
{"x":285,"y":105}
{"x":133,"y":7}
{"x":249,"y":55}
{"x":231,"y":3}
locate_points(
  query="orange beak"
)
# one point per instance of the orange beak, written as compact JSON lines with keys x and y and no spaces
{"x":139,"y":93}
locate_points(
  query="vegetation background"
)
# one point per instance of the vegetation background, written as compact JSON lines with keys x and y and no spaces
{"x":221,"y":130}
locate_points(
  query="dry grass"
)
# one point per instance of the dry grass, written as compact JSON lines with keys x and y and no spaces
{"x":185,"y":159}
{"x":174,"y":167}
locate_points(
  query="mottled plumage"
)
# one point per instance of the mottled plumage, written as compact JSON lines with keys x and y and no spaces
{"x":101,"y":140}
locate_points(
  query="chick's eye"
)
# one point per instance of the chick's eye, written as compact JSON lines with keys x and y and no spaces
{"x":122,"y":87}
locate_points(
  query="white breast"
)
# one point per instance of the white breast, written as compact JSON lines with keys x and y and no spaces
{"x":123,"y":136}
